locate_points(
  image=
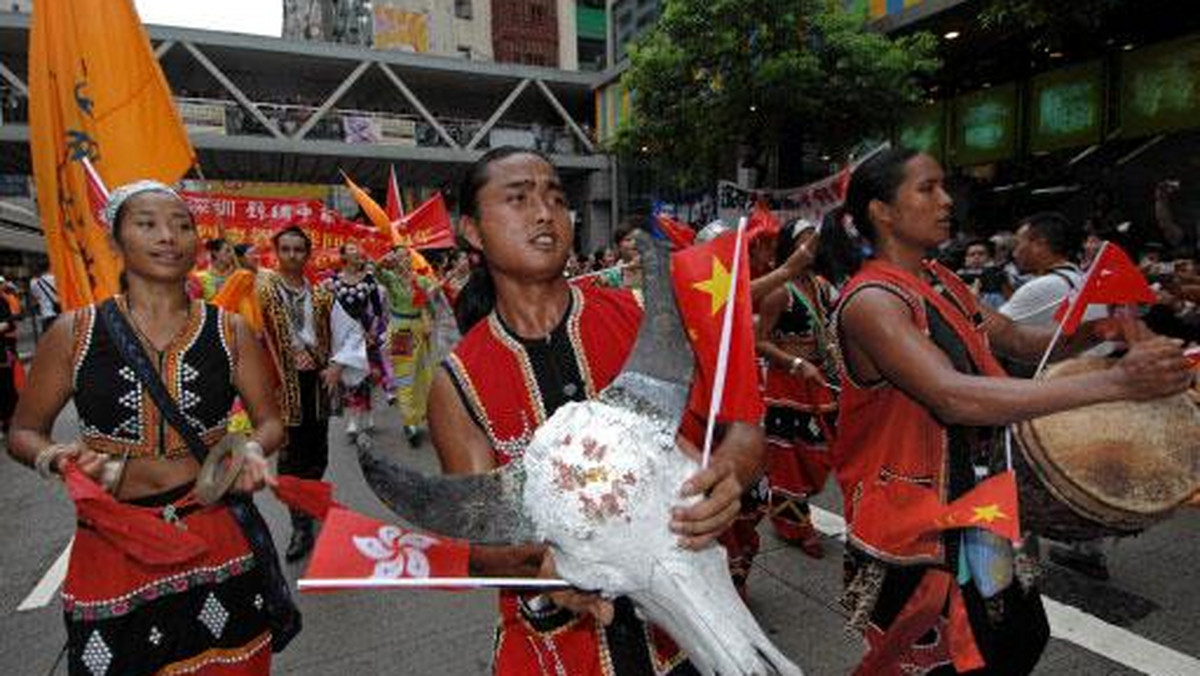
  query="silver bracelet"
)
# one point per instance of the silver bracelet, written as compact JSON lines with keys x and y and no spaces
{"x":44,"y":462}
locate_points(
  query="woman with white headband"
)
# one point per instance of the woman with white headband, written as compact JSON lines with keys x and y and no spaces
{"x":164,"y":574}
{"x":799,"y":387}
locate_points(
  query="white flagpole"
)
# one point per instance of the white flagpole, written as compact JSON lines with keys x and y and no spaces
{"x":432,"y":582}
{"x":718,"y":388}
{"x":94,"y":176}
{"x":1070,"y":309}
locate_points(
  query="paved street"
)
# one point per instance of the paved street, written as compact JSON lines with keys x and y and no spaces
{"x":1144,"y":619}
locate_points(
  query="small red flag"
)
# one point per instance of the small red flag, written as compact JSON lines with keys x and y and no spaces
{"x":703,"y":283}
{"x":1112,"y":279}
{"x":427,"y":227}
{"x":680,"y":235}
{"x":762,"y":221}
{"x":901,"y":513}
{"x":353,"y":547}
{"x":395,"y":205}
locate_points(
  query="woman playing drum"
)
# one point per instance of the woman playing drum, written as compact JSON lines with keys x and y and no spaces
{"x":157,"y":580}
{"x":923,"y":403}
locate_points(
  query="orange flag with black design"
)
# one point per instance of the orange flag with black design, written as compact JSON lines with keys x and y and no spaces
{"x":703,"y":280}
{"x":898,"y":514}
{"x":95,"y":91}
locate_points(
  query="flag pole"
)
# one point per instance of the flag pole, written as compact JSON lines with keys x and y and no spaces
{"x":1071,"y":305}
{"x":94,"y":176}
{"x":305,"y":583}
{"x":718,"y":388}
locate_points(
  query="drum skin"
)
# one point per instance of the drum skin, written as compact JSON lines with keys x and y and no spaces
{"x":1107,"y":469}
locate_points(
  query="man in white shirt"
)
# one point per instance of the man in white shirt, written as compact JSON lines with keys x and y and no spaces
{"x":45,"y":297}
{"x":1045,"y":243}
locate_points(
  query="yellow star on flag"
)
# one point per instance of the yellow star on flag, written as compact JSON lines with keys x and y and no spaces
{"x":988,"y":513}
{"x":716,"y":286}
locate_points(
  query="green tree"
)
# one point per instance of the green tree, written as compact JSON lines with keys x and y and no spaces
{"x":719,"y":77}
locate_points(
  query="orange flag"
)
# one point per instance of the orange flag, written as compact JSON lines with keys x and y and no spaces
{"x":369,"y":206}
{"x":901,"y":513}
{"x":702,"y":275}
{"x":96,"y":91}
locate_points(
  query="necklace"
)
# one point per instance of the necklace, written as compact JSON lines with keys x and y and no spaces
{"x":137,"y":328}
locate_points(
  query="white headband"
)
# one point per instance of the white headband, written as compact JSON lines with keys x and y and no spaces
{"x":801,"y":226}
{"x":118,"y":197}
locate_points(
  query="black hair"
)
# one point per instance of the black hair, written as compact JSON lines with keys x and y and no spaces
{"x":878,"y":178}
{"x":215,"y":244}
{"x":478,"y":296}
{"x":979,"y":241}
{"x":840,"y":254}
{"x":477,"y":176}
{"x":292,"y":230}
{"x":785,"y":244}
{"x":631,"y":223}
{"x":242,"y":249}
{"x":1056,"y":230}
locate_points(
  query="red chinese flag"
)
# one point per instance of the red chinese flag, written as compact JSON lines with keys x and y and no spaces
{"x":395,"y":205}
{"x":353,"y":547}
{"x":902,"y":513}
{"x":427,"y":227}
{"x":679,"y":234}
{"x":703,"y":281}
{"x":1112,"y":279}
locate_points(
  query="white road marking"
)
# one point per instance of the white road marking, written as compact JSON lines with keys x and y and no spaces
{"x":1075,"y":626}
{"x":44,"y":590}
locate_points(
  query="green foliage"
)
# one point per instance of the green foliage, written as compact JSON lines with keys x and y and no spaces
{"x":716,"y":75}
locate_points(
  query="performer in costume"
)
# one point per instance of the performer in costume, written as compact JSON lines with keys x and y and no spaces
{"x":362,"y":322}
{"x":296,"y":332}
{"x":560,"y":343}
{"x":194,"y":598}
{"x":924,"y":401}
{"x":410,"y":330}
{"x":800,"y":382}
{"x":222,"y":263}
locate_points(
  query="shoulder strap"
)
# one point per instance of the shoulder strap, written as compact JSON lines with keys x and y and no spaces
{"x":283,"y":616}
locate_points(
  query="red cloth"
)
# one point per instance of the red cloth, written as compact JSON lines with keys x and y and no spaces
{"x":426,"y":227}
{"x":311,"y":496}
{"x":136,"y":532}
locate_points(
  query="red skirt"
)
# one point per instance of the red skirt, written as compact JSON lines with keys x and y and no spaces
{"x":799,"y":425}
{"x":206,"y":616}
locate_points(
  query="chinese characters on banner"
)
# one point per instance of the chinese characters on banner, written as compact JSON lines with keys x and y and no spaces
{"x":255,"y":220}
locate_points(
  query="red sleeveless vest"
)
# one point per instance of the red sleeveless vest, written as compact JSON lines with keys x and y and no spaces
{"x":884,"y":435}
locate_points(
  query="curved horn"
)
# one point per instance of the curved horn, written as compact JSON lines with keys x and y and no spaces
{"x":658,"y":372}
{"x":479,"y":508}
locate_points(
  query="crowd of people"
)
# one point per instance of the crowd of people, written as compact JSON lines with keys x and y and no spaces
{"x":880,"y":367}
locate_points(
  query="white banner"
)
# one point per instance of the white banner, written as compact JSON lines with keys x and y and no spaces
{"x":361,"y":129}
{"x":202,"y":118}
{"x":810,"y":201}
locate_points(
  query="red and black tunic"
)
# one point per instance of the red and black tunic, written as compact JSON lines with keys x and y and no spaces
{"x":510,"y":386}
{"x":886,"y":437}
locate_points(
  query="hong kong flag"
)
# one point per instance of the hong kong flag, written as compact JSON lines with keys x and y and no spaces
{"x":355,"y":551}
{"x":1112,"y":279}
{"x":898,"y":514}
{"x":704,"y":283}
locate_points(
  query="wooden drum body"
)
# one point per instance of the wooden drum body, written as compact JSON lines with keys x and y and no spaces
{"x":1106,"y":469}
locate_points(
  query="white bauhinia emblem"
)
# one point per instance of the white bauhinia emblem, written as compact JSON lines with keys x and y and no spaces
{"x":396,"y":552}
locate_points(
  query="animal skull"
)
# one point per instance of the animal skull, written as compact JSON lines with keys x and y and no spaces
{"x":598,"y":482}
